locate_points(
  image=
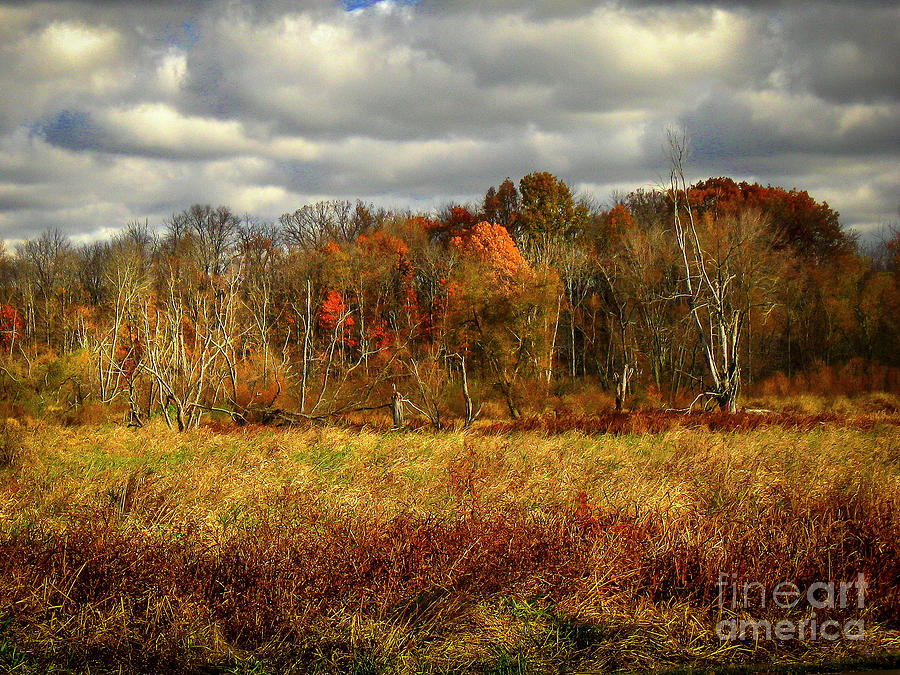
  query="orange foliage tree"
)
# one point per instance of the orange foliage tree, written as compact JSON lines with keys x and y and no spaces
{"x":504,"y":307}
{"x":491,"y":245}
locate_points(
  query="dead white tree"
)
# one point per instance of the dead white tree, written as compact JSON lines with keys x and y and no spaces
{"x":727,"y":265}
{"x":470,"y":413}
{"x":329,"y":381}
{"x":261,"y":261}
{"x":192,"y":361}
{"x":112,"y":347}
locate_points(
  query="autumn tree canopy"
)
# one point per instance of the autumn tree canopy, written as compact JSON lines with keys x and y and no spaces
{"x":547,"y":214}
{"x":336,"y":304}
{"x":813,"y":229}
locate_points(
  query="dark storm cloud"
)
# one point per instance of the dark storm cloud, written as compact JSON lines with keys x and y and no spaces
{"x":124,"y":110}
{"x":727,"y":126}
{"x":846,"y":55}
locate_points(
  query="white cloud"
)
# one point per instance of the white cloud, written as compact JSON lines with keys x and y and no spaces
{"x":67,"y":48}
{"x":172,"y":71}
{"x":160,"y":128}
{"x":266,"y":198}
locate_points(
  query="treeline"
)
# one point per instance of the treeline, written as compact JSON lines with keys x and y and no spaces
{"x":688,"y":292}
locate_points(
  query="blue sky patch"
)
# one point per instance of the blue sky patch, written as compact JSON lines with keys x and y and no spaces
{"x":184,"y":35}
{"x":71,"y":129}
{"x":351,"y":5}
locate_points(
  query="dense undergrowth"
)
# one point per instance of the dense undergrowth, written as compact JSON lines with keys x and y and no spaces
{"x":544,"y":545}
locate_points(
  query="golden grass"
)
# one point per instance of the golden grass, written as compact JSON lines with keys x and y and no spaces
{"x":267,"y":550}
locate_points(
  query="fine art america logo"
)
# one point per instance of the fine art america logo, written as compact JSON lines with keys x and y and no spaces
{"x":739,"y":597}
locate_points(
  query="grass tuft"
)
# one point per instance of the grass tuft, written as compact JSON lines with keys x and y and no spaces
{"x":11,"y":444}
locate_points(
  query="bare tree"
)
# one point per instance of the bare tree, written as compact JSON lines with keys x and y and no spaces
{"x":470,"y":413}
{"x":192,"y":359}
{"x":215,"y":230}
{"x":724,"y":263}
{"x":329,"y":383}
{"x":261,"y":262}
{"x":125,"y":282}
{"x":314,"y":225}
{"x":49,"y":273}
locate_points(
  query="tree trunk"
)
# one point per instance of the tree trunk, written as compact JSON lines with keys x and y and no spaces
{"x":549,"y":370}
{"x":622,"y":383}
{"x":397,"y":409}
{"x":510,"y":403}
{"x":572,"y":336}
{"x":470,"y":414}
{"x":727,"y":395}
{"x":306,"y":329}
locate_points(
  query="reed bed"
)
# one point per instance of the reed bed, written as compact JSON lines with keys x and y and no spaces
{"x":530,"y":547}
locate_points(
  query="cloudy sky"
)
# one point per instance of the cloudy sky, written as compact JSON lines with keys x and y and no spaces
{"x":115,"y":110}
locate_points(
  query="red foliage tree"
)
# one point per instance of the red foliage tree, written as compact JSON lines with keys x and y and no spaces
{"x":813,"y":229}
{"x":11,"y":326}
{"x":333,"y":315}
{"x":454,"y":223}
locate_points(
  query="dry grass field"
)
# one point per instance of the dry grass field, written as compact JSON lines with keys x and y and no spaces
{"x":554,"y":544}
